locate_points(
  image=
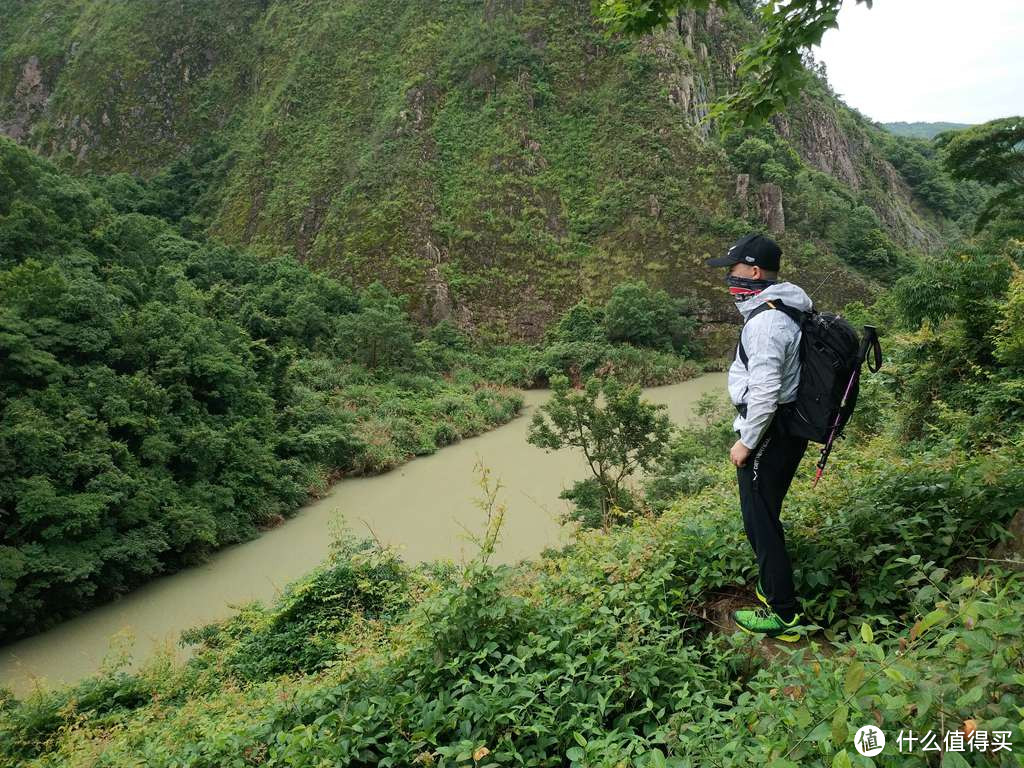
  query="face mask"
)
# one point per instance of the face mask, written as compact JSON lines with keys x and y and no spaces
{"x":742,"y":288}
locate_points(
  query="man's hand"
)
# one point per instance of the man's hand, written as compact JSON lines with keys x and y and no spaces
{"x":738,"y":454}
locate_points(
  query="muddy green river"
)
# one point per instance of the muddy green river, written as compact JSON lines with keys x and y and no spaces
{"x":422,"y":507}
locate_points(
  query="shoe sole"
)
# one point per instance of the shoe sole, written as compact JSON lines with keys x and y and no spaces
{"x":783,"y":637}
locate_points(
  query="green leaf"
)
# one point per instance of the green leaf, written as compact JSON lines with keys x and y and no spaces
{"x":840,"y":729}
{"x":866,"y":634}
{"x":954,"y":760}
{"x":854,"y":678}
{"x":841,"y":759}
{"x":972,"y":696}
{"x":579,"y":738}
{"x":933,"y":618}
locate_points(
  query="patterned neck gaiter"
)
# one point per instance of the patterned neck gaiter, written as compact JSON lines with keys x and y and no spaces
{"x":742,"y":288}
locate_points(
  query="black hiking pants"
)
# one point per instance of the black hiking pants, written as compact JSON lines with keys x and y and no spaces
{"x":764,"y":480}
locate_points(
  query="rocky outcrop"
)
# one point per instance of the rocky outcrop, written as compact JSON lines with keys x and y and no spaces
{"x":30,"y":98}
{"x":688,"y":79}
{"x":900,"y":219}
{"x":823,"y":144}
{"x":742,"y":192}
{"x":439,"y":303}
{"x":847,"y":154}
{"x":769,"y":204}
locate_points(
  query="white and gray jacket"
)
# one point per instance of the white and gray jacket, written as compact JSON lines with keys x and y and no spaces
{"x":772,"y":374}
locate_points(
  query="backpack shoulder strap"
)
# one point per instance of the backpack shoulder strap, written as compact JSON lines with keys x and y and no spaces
{"x":758,"y":310}
{"x":796,"y":315}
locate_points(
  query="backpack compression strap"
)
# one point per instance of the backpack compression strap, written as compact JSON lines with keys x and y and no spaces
{"x":795,"y":315}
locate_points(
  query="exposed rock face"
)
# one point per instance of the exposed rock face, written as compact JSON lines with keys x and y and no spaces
{"x":30,"y":97}
{"x":689,"y":92}
{"x":687,"y":80}
{"x":438,"y":294}
{"x":312,"y":220}
{"x":742,"y":192}
{"x":769,"y":203}
{"x":824,"y":145}
{"x":898,"y":218}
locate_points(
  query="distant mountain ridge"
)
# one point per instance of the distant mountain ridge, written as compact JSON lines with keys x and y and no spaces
{"x":920,"y":130}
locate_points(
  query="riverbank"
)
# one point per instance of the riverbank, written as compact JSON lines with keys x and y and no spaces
{"x":604,"y":653}
{"x":423,"y":507}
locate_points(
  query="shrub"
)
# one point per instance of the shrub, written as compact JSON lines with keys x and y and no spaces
{"x":620,"y":436}
{"x":639,"y":315}
{"x":299,"y":633}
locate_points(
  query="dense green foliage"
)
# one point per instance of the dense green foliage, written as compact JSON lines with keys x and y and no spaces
{"x":160,"y":398}
{"x":992,"y":154}
{"x":602,"y":655}
{"x":161,"y":395}
{"x":637,"y":335}
{"x":612,"y":651}
{"x":301,"y":633}
{"x":636,"y":314}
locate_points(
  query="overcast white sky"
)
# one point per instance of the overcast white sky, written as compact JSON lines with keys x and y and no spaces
{"x":960,"y":61}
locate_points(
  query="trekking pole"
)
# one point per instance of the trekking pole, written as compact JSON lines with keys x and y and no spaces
{"x":870,"y":341}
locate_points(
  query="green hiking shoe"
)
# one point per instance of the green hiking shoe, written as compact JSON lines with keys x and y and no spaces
{"x":764,"y":621}
{"x":760,"y":594}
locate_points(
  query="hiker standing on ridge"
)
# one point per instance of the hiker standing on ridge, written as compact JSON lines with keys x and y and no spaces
{"x":763,"y":382}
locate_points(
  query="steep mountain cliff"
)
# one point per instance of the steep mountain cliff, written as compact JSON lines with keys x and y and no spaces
{"x":493,"y":160}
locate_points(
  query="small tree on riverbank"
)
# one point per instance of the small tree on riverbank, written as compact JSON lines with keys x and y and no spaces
{"x":618,"y":433}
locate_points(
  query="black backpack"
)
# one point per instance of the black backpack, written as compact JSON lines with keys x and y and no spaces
{"x":830,"y":359}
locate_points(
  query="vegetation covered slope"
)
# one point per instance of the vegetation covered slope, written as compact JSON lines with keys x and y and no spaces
{"x":613,"y":652}
{"x":161,"y":397}
{"x":493,"y":161}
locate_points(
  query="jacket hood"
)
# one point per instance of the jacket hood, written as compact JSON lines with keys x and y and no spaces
{"x":791,"y":294}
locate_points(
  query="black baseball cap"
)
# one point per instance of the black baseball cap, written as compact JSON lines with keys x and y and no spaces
{"x":753,"y":249}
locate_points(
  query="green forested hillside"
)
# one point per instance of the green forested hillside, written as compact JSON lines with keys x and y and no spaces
{"x":161,"y":397}
{"x":247,"y":248}
{"x":615,"y":652}
{"x":494,"y":161}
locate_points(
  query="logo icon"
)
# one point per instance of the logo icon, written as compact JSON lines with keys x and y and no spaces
{"x":869,"y":740}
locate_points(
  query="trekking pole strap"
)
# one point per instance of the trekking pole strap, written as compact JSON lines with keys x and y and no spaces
{"x":870,"y":343}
